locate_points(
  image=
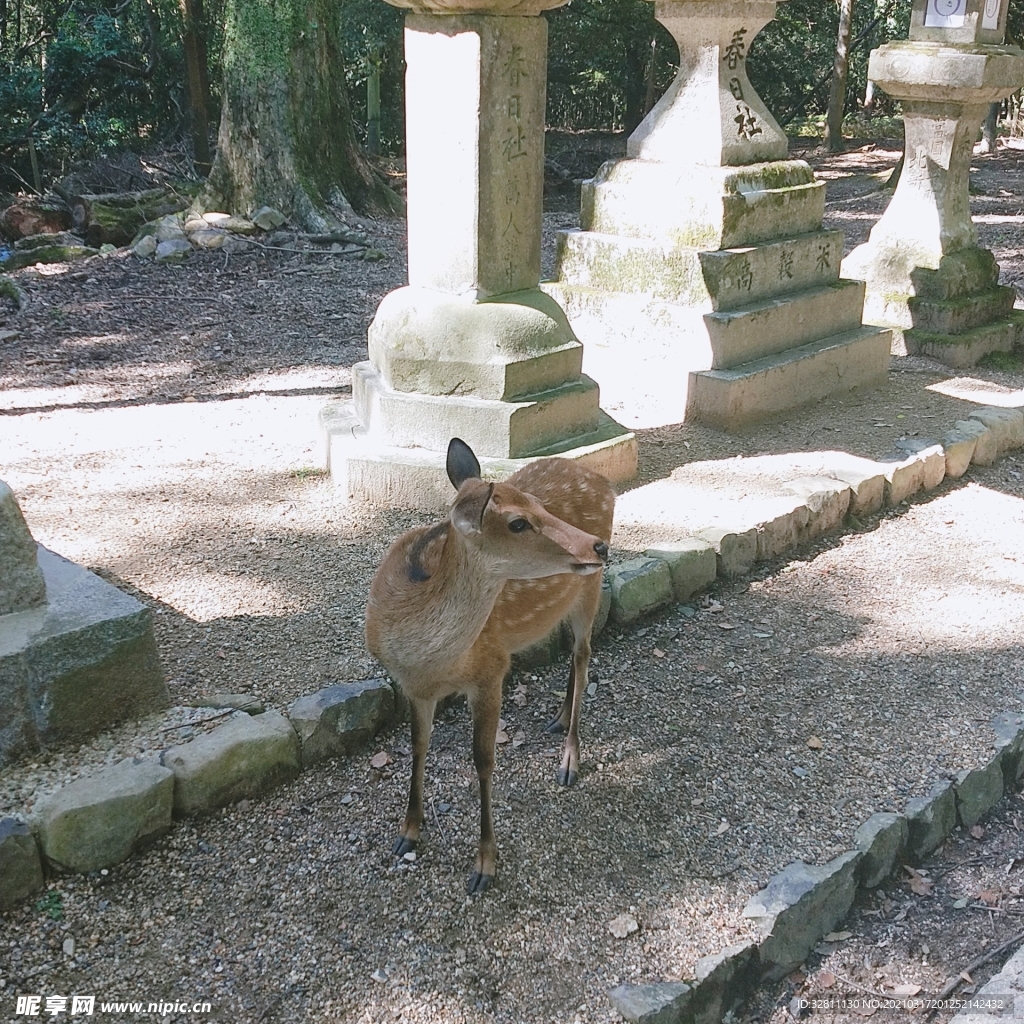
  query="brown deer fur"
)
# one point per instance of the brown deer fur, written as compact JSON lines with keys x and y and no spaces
{"x":451,"y":603}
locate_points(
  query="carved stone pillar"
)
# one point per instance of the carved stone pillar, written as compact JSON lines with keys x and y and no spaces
{"x":471,"y":347}
{"x":927,"y":278}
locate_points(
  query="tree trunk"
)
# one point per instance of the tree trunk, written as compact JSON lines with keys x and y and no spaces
{"x":194,"y":41}
{"x":286,"y":138}
{"x":989,"y":128}
{"x":840,"y":68}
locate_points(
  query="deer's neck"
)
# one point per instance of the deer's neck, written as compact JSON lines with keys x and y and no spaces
{"x":450,"y":608}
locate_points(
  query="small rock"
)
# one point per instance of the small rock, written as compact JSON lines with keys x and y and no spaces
{"x":623,"y":925}
{"x":69,"y":946}
{"x":145,"y":246}
{"x":174,"y":250}
{"x":208,"y":238}
{"x":266,"y":218}
{"x":410,"y":857}
{"x":379,"y":975}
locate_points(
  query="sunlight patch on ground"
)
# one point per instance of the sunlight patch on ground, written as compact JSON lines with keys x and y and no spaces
{"x":957,"y":603}
{"x":982,"y":392}
{"x":204,"y":595}
{"x":998,"y":218}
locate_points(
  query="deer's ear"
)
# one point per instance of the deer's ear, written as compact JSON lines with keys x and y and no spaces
{"x":467,"y":513}
{"x":462,"y":464}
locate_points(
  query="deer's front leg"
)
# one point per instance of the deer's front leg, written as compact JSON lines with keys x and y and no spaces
{"x":422,"y":722}
{"x":486,"y":707}
{"x":581,"y":621}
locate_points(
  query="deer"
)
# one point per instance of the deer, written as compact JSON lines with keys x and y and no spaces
{"x":451,"y":603}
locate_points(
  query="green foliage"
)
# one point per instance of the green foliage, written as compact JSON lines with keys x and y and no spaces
{"x":372,"y":38}
{"x":600,"y":55}
{"x":86,"y":79}
{"x":792,"y":56}
{"x":52,"y":904}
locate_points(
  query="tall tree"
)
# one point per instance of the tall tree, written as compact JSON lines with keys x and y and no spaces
{"x":840,"y":70}
{"x":286,"y":138}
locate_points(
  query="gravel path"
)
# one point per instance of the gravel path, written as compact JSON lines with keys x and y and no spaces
{"x":894,"y":646}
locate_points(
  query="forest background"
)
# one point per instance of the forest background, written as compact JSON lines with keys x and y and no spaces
{"x":87,"y":79}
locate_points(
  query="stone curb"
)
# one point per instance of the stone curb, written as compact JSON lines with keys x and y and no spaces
{"x":100,"y":819}
{"x":820,"y":506}
{"x":251,"y":755}
{"x":802,"y":903}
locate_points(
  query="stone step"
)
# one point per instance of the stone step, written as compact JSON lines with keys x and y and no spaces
{"x":416,"y":477}
{"x":711,"y":280}
{"x":776,"y":325}
{"x":703,"y":207}
{"x":777,"y":383}
{"x":494,"y":429}
{"x":966,"y":349}
{"x":957,"y":316}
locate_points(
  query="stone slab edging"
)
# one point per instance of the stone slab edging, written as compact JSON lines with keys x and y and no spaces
{"x":98,"y":820}
{"x":803,"y":903}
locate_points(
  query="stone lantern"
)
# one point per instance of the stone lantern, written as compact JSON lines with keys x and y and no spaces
{"x":471,"y":347}
{"x":702,"y":282}
{"x":927,"y":278}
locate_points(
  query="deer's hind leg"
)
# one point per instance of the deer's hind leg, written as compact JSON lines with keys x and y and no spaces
{"x":421,"y":725}
{"x":581,"y":621}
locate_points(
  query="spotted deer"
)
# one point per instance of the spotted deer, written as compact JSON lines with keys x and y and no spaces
{"x":451,"y":603}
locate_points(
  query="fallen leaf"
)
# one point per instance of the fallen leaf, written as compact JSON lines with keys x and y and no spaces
{"x":623,"y":925}
{"x":989,"y":896}
{"x":864,"y":1008}
{"x":658,"y":653}
{"x":519,"y":739}
{"x":714,"y":607}
{"x":702,"y":668}
{"x":502,"y":737}
{"x":380,"y":759}
{"x":960,"y":904}
{"x":502,"y":724}
{"x":838,"y":936}
{"x":977,"y":831}
{"x":906,"y":991}
{"x":967,"y":977}
{"x":697,"y":801}
{"x":519,"y":698}
{"x":826,"y":979}
{"x":921,"y":886}
{"x":723,"y":827}
{"x":814,"y":742}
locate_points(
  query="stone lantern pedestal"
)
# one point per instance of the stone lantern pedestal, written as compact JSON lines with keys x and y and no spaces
{"x":927,"y":277}
{"x":471,"y":347}
{"x":701,"y":280}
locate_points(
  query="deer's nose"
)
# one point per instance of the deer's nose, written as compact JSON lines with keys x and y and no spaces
{"x":601,"y":550}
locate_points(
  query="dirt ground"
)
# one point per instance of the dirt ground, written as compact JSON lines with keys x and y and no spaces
{"x":158,"y":424}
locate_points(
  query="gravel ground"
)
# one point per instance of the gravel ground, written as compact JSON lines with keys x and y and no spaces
{"x":184,"y":473}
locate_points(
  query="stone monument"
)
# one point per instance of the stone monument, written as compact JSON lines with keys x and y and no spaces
{"x":927,"y":277}
{"x":471,"y":347}
{"x":701,"y":280}
{"x":76,"y":654}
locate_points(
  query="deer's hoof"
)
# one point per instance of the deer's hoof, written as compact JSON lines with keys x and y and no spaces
{"x":567,"y":777}
{"x":402,"y":846}
{"x":478,"y":883}
{"x":555,"y":725}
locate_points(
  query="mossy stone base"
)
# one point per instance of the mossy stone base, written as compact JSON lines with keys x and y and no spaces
{"x":78,"y":663}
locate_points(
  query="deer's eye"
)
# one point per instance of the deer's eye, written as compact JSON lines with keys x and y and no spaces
{"x":519,"y":525}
